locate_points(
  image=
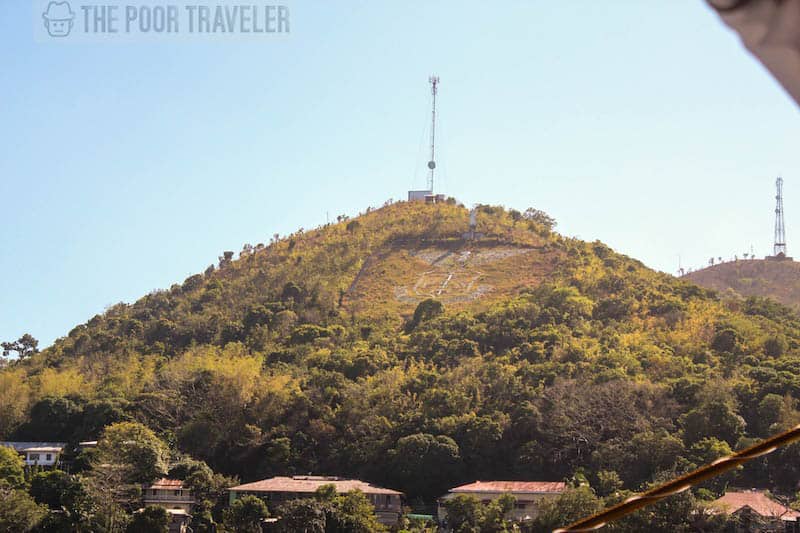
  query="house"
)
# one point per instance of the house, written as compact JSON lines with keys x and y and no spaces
{"x":276,"y":490}
{"x":45,"y":454}
{"x":169,"y":494}
{"x":529,"y":495}
{"x":757,"y":512}
{"x":172,"y":496}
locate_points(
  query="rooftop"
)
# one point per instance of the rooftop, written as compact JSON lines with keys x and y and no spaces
{"x":309,"y":484}
{"x":758,"y":501}
{"x":30,"y":446}
{"x":167,"y":484}
{"x":528,"y":487}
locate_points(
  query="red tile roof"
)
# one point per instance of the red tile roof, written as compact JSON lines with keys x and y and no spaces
{"x":309,"y":484}
{"x":759,"y":502}
{"x":553,"y":487}
{"x":168,"y":484}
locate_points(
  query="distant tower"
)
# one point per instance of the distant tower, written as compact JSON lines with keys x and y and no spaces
{"x":434,"y":80}
{"x":428,"y":196}
{"x":779,"y":249}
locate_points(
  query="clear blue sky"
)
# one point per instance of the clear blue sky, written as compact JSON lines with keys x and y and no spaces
{"x":125,"y":168}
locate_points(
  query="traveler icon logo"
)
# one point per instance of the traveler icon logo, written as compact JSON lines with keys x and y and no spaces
{"x":58,"y":19}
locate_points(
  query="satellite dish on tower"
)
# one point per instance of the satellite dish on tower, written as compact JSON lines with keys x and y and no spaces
{"x":431,"y":164}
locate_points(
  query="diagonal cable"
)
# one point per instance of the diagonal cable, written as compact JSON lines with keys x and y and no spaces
{"x":682,"y":483}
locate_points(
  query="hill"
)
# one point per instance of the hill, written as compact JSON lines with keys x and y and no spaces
{"x":389,"y":348}
{"x":779,"y":280}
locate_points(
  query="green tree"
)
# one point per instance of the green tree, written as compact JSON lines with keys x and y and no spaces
{"x":570,"y":506}
{"x":303,"y":516}
{"x":25,"y":346}
{"x":540,"y":217}
{"x":246,"y":514}
{"x":352,"y":513}
{"x":717,"y":419}
{"x":64,"y":493}
{"x":608,"y":482}
{"x":209,"y":491}
{"x":151,"y":519}
{"x":726,"y":340}
{"x":465,"y":513}
{"x":53,"y":419}
{"x":424,"y":465}
{"x":135,"y":448}
{"x":775,"y":346}
{"x":18,"y":512}
{"x":708,"y":450}
{"x":496,"y":516}
{"x":426,"y":310}
{"x":680,"y":513}
{"x":12,"y":468}
{"x":772,"y":411}
{"x":98,"y":414}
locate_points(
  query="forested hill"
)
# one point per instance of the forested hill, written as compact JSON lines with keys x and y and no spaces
{"x":389,"y":348}
{"x":779,"y":280}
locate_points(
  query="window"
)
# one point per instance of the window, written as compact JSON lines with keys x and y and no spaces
{"x":520,"y":506}
{"x":49,"y":457}
{"x":177,"y":493}
{"x":33,"y":457}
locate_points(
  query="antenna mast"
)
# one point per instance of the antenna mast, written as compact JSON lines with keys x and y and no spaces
{"x":434,"y":80}
{"x":779,"y":249}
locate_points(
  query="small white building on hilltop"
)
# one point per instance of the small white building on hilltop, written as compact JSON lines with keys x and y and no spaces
{"x":529,"y":495}
{"x":46,"y":454}
{"x":425,"y":196}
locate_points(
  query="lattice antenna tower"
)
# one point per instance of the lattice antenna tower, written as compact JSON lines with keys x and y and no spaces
{"x":779,"y":248}
{"x":434,"y":81}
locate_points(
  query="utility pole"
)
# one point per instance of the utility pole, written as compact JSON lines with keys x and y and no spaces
{"x":434,"y":80}
{"x":779,"y":248}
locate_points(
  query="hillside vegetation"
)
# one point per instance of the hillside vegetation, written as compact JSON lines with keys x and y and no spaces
{"x":779,"y":280}
{"x":388,"y":348}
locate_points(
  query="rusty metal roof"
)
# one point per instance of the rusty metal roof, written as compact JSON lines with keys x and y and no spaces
{"x":309,"y":484}
{"x":166,"y":483}
{"x":543,"y":487}
{"x":758,"y":501}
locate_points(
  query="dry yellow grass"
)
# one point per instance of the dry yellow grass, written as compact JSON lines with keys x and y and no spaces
{"x":779,"y":280}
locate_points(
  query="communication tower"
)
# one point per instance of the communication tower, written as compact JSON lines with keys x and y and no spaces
{"x":779,"y":248}
{"x":427,"y":195}
{"x":434,"y":81}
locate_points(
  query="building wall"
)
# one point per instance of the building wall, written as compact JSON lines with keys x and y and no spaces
{"x":527,"y":504}
{"x":168,"y":499}
{"x":41,"y":458}
{"x":388,"y":507}
{"x":748,"y":521}
{"x":418,"y":196}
